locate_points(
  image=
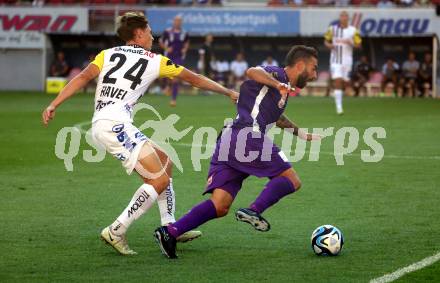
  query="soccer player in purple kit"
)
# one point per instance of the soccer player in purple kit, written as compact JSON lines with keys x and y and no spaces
{"x":175,"y":43}
{"x":261,"y":104}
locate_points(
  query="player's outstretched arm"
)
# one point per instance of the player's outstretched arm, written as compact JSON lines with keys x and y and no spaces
{"x":284,"y":123}
{"x":78,"y":82}
{"x":205,"y":83}
{"x":259,"y":75}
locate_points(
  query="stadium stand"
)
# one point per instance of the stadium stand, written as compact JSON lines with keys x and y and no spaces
{"x":275,"y":3}
{"x":101,"y":15}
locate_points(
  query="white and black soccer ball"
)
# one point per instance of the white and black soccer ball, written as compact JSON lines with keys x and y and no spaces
{"x":327,"y":240}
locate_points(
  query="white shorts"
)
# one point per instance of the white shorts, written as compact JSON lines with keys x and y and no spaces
{"x":339,"y":71}
{"x":123,"y":140}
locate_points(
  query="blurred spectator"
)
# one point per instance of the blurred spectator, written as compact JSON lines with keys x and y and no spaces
{"x":408,"y":81}
{"x":425,"y":75}
{"x":206,"y":55}
{"x":326,"y":2}
{"x":186,"y":2}
{"x":384,"y":4}
{"x":406,"y":3}
{"x":341,"y":3}
{"x":238,"y":70}
{"x":285,"y":2}
{"x":222,"y":71}
{"x":361,"y":75}
{"x":270,"y":62}
{"x":390,"y":71}
{"x":38,"y":3}
{"x":59,"y":67}
{"x":207,"y":2}
{"x":425,"y":2}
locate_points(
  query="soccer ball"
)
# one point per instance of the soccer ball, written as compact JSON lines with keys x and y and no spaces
{"x":327,"y":240}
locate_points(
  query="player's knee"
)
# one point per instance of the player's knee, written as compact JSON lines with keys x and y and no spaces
{"x":160,"y":184}
{"x":222,"y":201}
{"x":164,"y":181}
{"x":296,"y":183}
{"x":222,"y":210}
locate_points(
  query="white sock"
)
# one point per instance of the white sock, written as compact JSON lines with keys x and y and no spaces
{"x":167,"y":205}
{"x":141,"y":202}
{"x":338,"y":99}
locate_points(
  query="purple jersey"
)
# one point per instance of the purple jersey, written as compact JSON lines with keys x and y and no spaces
{"x":260,"y":105}
{"x":176,"y":40}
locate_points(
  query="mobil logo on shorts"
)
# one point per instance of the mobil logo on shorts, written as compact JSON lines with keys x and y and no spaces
{"x":392,"y":25}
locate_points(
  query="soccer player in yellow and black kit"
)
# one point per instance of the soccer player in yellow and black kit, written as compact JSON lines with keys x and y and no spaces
{"x":125,"y":73}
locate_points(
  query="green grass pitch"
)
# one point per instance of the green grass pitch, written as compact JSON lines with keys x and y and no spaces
{"x":389,"y":211}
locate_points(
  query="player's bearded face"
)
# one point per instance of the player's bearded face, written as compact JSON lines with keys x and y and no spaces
{"x":308,"y":74}
{"x":302,"y":80}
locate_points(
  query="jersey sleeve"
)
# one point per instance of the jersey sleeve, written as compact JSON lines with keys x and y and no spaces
{"x":99,"y":60}
{"x":275,"y":72}
{"x":168,"y":69}
{"x":357,"y":40}
{"x":328,"y":36}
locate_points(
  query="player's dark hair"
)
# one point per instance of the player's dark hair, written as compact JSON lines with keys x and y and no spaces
{"x":128,"y":22}
{"x":300,"y":52}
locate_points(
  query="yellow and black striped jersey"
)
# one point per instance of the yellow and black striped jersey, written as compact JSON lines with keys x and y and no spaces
{"x":126,"y":73}
{"x":342,"y":53}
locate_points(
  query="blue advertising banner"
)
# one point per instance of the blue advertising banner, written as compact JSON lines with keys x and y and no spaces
{"x":374,"y":22}
{"x":227,"y":21}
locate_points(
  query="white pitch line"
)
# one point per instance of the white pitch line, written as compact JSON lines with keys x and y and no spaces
{"x":80,"y":126}
{"x":410,"y":268}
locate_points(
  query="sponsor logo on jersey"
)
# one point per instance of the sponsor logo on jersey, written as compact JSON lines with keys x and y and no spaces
{"x":128,"y":108}
{"x":118,"y":128}
{"x":135,"y":51}
{"x":130,"y":145}
{"x":126,"y":141}
{"x":101,"y":104}
{"x":120,"y":157}
{"x":140,"y":136}
{"x":149,"y":54}
{"x":138,"y":203}
{"x":122,"y":136}
{"x":130,"y":50}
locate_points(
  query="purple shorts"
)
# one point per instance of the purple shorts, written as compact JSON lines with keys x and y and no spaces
{"x":234,"y":161}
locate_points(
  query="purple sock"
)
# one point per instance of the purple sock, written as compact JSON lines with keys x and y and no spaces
{"x":275,"y":189}
{"x":198,"y":215}
{"x":175,"y":90}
